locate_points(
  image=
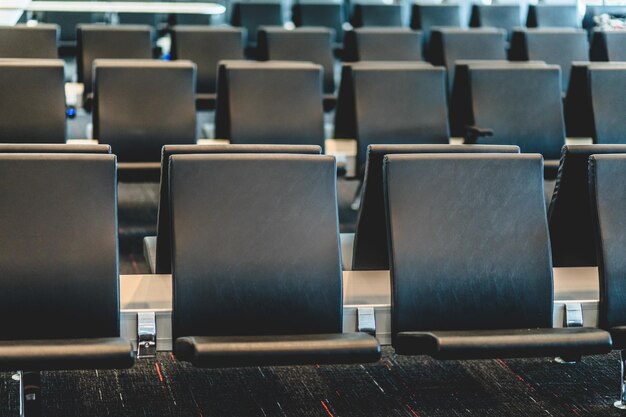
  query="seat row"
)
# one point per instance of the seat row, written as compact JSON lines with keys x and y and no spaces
{"x":468,"y":248}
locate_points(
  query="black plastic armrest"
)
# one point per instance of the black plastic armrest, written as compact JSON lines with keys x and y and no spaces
{"x":473,"y":133}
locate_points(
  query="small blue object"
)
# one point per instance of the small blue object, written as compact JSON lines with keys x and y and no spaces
{"x":70,"y":112}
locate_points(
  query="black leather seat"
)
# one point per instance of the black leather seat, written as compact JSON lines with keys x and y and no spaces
{"x":141,"y":105}
{"x":370,"y":239}
{"x":501,"y":16}
{"x":22,"y":41}
{"x":375,"y":13}
{"x":608,"y":45}
{"x":206,"y":46}
{"x":279,"y":285}
{"x":109,"y":42}
{"x":52,"y":148}
{"x":163,"y":264}
{"x":59,"y":265}
{"x":607,"y":85}
{"x":425,"y":17}
{"x":391,"y":103}
{"x":32,"y":102}
{"x":251,"y":15}
{"x":572,"y":233}
{"x":320,"y":13}
{"x":555,"y":46}
{"x":272,"y":102}
{"x":494,"y":297}
{"x":383,"y":44}
{"x":553,"y":15}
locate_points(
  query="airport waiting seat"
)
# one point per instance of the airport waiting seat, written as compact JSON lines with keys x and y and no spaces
{"x":163,"y":246}
{"x":471,"y":273}
{"x":206,"y":46}
{"x":553,"y":15}
{"x":142,"y":105}
{"x":554,"y":46}
{"x":320,"y":13}
{"x":608,"y":45}
{"x":109,"y":42}
{"x":251,"y":15}
{"x":383,"y":44}
{"x":503,"y":16}
{"x":53,"y":148}
{"x":370,"y":240}
{"x":572,"y":233}
{"x":376,"y":13}
{"x":272,"y":102}
{"x":22,"y":41}
{"x":391,"y":103}
{"x":275,"y":291}
{"x":607,"y":85}
{"x":426,"y":17}
{"x":59,"y":266}
{"x":32,"y":102}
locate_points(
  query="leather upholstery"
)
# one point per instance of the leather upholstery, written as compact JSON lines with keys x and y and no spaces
{"x":318,"y":14}
{"x":512,"y":343}
{"x":523,"y":106}
{"x":270,"y":103}
{"x":32,"y":102}
{"x":278,"y":277}
{"x":110,"y":42}
{"x":572,"y":232}
{"x":608,"y":101}
{"x":553,"y":15}
{"x":608,"y":45}
{"x":425,"y":17}
{"x":206,"y":46}
{"x":554,"y":46}
{"x":496,"y":15}
{"x":384,"y":103}
{"x":252,"y":15}
{"x":141,"y":105}
{"x":302,"y":44}
{"x":52,"y":148}
{"x":230,"y":351}
{"x":22,"y":41}
{"x":383,"y":44}
{"x":163,"y":243}
{"x":370,"y":239}
{"x":376,"y":14}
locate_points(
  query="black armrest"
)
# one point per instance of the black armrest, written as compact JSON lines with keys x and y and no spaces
{"x":473,"y":133}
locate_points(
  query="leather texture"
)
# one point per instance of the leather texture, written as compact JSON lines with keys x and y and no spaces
{"x":110,"y":42}
{"x":66,"y":354}
{"x":523,"y":106}
{"x":512,"y":343}
{"x":233,"y":351}
{"x":383,"y":44}
{"x":608,"y":102}
{"x":32,"y":103}
{"x":254,"y":14}
{"x":608,"y":196}
{"x":301,"y":44}
{"x":270,"y":102}
{"x":496,"y":15}
{"x":376,"y":14}
{"x":608,"y":46}
{"x":572,"y":233}
{"x":554,"y":46}
{"x":22,"y":41}
{"x":482,"y":260}
{"x":370,"y":240}
{"x":391,"y":103}
{"x":142,"y":105}
{"x":52,"y":148}
{"x":163,"y":243}
{"x":314,"y":13}
{"x":426,"y":17}
{"x":553,"y":15}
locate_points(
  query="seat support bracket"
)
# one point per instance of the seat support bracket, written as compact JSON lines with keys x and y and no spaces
{"x":146,"y":334}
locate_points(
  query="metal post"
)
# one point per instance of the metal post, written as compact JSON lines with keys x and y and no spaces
{"x":30,"y":394}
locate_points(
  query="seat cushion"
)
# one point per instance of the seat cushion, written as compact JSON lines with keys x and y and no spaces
{"x":234,"y":351}
{"x":65,"y":354}
{"x":514,"y":343}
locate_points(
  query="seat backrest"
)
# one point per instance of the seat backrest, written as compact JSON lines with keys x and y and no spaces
{"x":110,"y":42}
{"x":555,"y":46}
{"x":320,"y":14}
{"x":370,"y":240}
{"x":553,"y":15}
{"x":383,"y":44}
{"x":32,"y":102}
{"x":206,"y":46}
{"x":607,"y":85}
{"x":254,"y":14}
{"x":22,"y":41}
{"x":376,"y":14}
{"x":474,"y":254}
{"x":141,"y":105}
{"x":301,"y":44}
{"x":523,"y":106}
{"x":58,"y":265}
{"x":163,"y":242}
{"x":608,"y":199}
{"x":270,"y":102}
{"x":274,"y":249}
{"x":52,"y":148}
{"x":501,"y":16}
{"x":425,"y":17}
{"x":608,"y":45}
{"x":391,"y":103}
{"x":569,"y":215}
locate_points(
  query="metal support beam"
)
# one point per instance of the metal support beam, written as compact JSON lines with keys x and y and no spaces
{"x":30,"y":393}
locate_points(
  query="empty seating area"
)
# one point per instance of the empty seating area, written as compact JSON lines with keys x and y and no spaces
{"x":312,"y":208}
